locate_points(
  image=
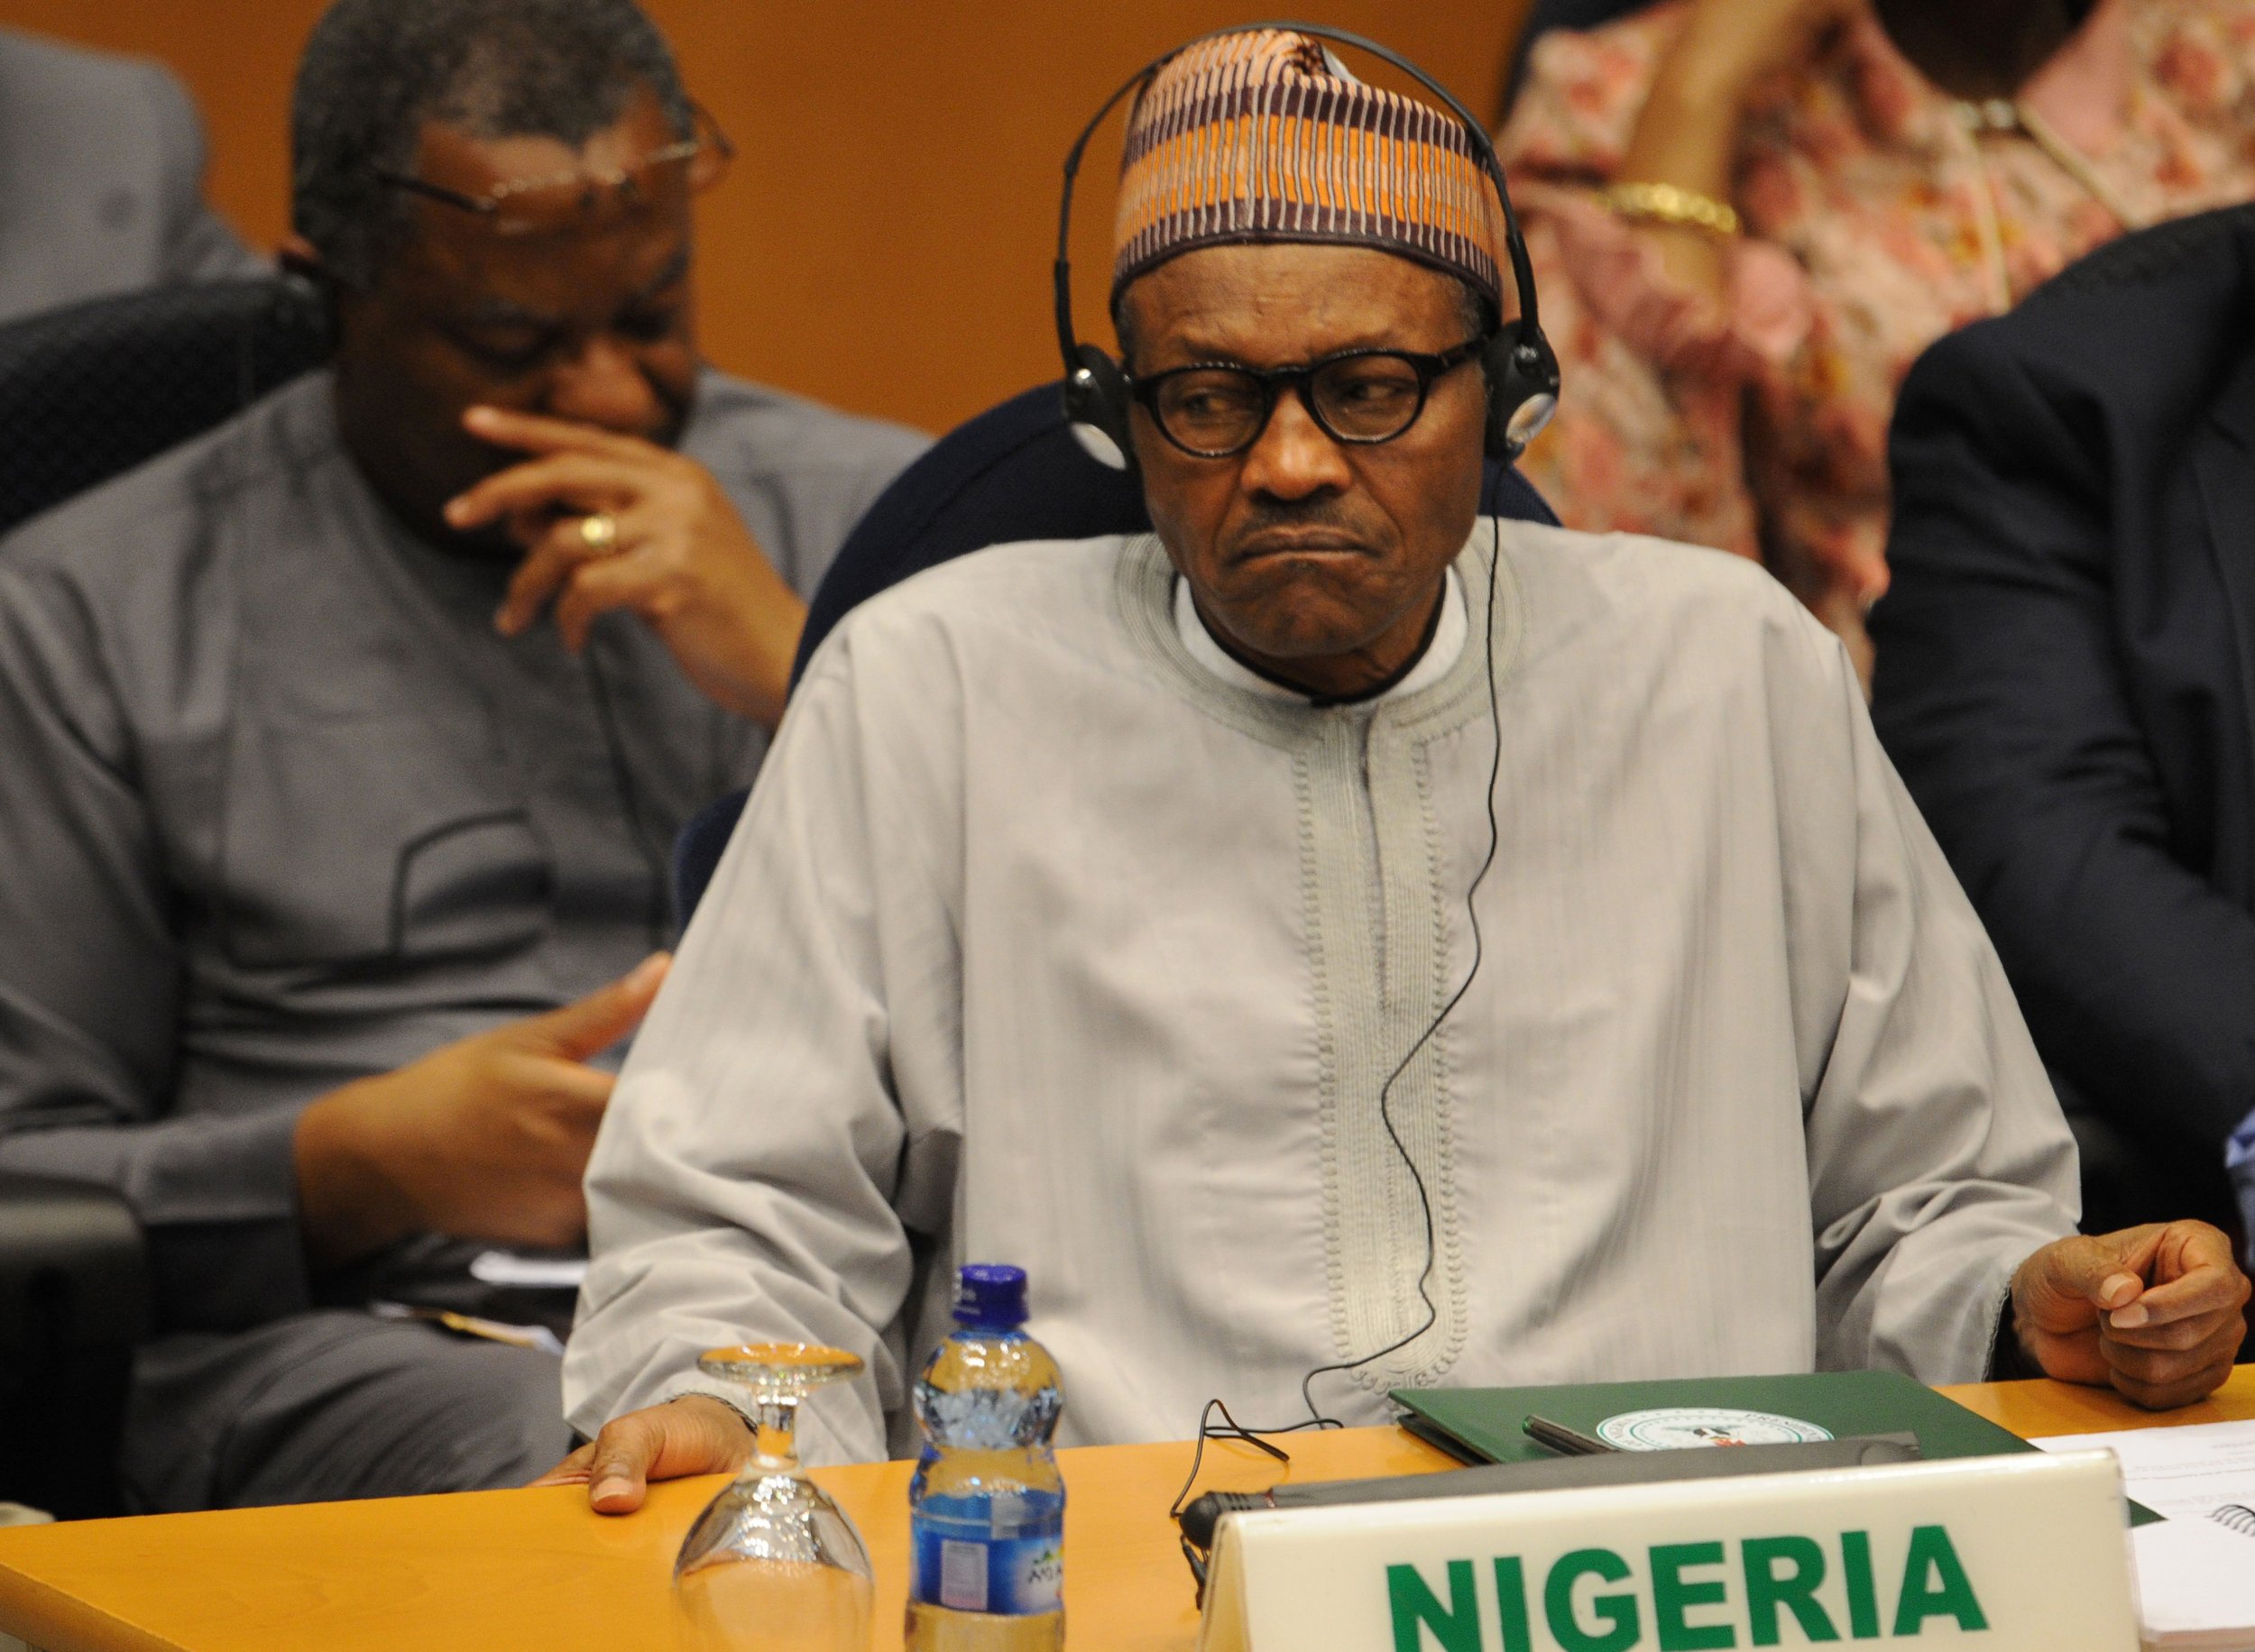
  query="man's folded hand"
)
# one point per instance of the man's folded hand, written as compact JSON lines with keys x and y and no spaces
{"x":2157,"y":1312}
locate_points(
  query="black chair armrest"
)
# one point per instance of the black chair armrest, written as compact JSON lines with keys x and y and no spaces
{"x":74,"y":1299}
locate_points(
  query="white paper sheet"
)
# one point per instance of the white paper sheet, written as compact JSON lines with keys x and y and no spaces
{"x":2193,"y":1472}
{"x":2195,"y":1586}
{"x":2196,"y":1570}
{"x":502,"y":1267}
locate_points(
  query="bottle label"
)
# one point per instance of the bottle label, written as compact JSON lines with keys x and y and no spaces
{"x":1022,"y":1576}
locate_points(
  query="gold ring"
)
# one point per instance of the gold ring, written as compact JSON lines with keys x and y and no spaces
{"x":599,"y":532}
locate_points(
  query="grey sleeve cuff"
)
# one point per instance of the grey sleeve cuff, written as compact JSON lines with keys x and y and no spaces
{"x":241,"y":1266}
{"x":216,"y":1199}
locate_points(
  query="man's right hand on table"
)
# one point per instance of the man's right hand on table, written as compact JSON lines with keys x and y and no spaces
{"x":486,"y":1138}
{"x":692,"y":1434}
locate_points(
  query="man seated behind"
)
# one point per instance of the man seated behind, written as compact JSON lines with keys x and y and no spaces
{"x":101,"y":179}
{"x":1096,"y":892}
{"x":2064,"y":680}
{"x":321,"y":844}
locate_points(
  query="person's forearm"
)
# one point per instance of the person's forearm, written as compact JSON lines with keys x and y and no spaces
{"x":347,"y":1207}
{"x":737,"y":644}
{"x":772,"y":644}
{"x":1687,"y":135}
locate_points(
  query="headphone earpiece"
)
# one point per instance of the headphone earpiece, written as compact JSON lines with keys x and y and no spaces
{"x":1523,"y":381}
{"x":1097,"y":399}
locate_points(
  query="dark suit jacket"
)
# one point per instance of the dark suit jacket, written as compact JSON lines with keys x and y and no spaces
{"x":2066,"y":667}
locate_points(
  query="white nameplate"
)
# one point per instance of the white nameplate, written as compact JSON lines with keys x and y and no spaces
{"x":2018,"y":1553}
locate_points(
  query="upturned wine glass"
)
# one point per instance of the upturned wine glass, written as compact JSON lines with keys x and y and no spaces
{"x":773,"y":1562}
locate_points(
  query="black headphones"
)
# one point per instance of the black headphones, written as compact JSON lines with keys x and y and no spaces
{"x":1522,"y":369}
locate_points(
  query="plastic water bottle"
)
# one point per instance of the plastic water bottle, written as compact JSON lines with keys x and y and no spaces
{"x":987,"y":1506}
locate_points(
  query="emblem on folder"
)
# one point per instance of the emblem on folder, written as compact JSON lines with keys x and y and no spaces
{"x":1674,"y":1427}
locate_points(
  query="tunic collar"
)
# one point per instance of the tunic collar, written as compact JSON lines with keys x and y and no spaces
{"x":1441,"y":653}
{"x":1145,"y":600}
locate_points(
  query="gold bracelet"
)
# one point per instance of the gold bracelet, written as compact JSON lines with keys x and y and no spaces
{"x":1667,"y":204}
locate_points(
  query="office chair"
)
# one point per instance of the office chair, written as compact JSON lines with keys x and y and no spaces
{"x":74,"y":1300}
{"x":1013,"y":472}
{"x":87,"y":392}
{"x":90,"y":390}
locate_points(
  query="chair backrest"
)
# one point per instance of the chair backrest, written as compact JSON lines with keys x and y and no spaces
{"x":1015,"y":473}
{"x":91,"y":390}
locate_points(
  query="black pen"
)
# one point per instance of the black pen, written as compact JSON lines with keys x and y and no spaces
{"x":1563,"y":1440}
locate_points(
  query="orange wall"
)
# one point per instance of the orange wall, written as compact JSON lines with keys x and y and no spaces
{"x":884,"y":241}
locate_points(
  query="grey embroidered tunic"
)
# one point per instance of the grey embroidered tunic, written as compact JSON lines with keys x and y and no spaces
{"x":1043,"y":941}
{"x":280,"y":810}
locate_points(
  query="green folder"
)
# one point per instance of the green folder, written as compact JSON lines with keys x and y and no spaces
{"x":1486,"y":1425}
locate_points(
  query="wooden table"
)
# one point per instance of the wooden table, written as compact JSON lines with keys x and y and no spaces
{"x":499,"y":1570}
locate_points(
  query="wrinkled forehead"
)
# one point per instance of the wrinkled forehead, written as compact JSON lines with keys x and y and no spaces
{"x":455,"y":257}
{"x":459,"y":158}
{"x":1288,"y":301}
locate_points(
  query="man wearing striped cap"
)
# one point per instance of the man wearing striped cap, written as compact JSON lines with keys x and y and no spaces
{"x":1114,"y":906}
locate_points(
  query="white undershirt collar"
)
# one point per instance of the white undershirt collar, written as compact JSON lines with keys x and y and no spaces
{"x":1440,"y":655}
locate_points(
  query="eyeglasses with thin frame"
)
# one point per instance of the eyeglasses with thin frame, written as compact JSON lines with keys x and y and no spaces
{"x":524,"y":206}
{"x":1218,"y":409}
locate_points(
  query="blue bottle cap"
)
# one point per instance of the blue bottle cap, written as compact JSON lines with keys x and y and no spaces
{"x":990,"y":1294}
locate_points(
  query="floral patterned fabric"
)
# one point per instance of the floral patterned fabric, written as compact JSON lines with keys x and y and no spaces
{"x":1879,"y":215}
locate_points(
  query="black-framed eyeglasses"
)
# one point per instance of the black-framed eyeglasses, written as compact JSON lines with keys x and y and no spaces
{"x":563,"y":200}
{"x":1215,"y":410}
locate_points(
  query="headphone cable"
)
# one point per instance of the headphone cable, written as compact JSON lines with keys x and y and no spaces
{"x":1317,"y":1417}
{"x":1432,"y":1029}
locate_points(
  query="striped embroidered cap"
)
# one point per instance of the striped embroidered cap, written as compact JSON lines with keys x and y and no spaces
{"x":1261,"y":136}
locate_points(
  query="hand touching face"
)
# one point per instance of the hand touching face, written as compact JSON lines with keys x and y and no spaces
{"x":671,"y":551}
{"x":591,"y":323}
{"x":507,"y":391}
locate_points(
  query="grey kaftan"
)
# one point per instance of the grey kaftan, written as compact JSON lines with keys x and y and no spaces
{"x":281,"y":810}
{"x":1040,"y":941}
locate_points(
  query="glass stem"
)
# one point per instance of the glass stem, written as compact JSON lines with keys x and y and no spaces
{"x":777,"y":1443}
